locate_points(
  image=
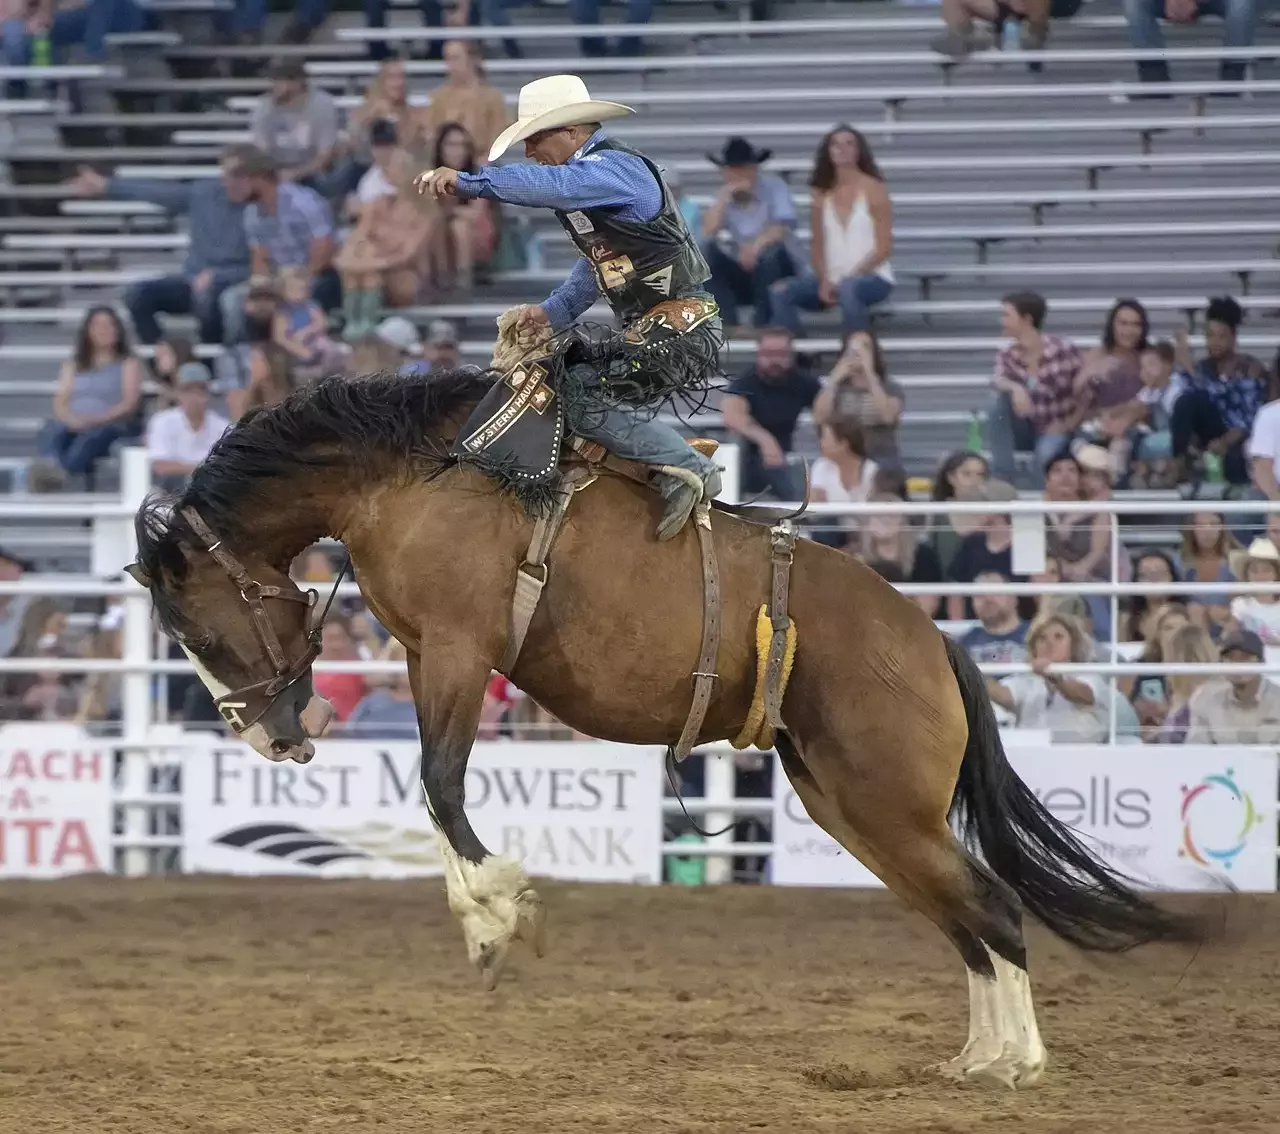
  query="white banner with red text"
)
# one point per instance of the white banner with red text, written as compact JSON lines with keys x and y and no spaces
{"x":577,"y":811}
{"x":1179,"y":818}
{"x":55,"y":801}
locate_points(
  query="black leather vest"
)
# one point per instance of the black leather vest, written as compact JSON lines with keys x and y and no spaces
{"x":638,"y":264}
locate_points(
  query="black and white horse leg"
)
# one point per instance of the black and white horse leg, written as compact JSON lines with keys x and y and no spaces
{"x":489,"y":894}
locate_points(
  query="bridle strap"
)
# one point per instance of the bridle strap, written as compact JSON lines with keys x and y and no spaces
{"x":252,"y":592}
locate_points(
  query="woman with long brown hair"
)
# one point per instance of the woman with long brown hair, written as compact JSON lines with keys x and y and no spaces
{"x":850,"y":237}
{"x":468,"y":98}
{"x":467,"y":231}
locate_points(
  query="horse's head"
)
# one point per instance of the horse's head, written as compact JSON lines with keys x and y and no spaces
{"x":248,"y":630}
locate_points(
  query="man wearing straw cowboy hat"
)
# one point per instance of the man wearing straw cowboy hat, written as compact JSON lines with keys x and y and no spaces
{"x":636,"y":249}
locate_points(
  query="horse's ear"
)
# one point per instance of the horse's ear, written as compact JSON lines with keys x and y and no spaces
{"x":136,"y":572}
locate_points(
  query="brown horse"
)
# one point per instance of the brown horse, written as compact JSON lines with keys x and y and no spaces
{"x":889,"y":729}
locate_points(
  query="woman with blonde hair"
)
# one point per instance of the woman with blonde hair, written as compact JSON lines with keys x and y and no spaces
{"x":387,"y":99}
{"x":1187,"y":644}
{"x":1207,"y":545}
{"x":1074,"y":709}
{"x":384,"y":260}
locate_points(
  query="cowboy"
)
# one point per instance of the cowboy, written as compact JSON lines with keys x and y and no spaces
{"x":637,"y":250}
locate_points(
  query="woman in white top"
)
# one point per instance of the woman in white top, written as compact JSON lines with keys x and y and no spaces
{"x":842,"y":475}
{"x":850,"y":237}
{"x":1073,"y":709}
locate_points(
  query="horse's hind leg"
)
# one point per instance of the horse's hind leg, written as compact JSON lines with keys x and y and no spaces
{"x":918,"y":857}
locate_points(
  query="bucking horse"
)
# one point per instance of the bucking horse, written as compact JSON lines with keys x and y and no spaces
{"x":731,"y":630}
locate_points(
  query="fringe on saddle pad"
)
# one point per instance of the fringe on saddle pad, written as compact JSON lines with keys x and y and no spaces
{"x":757,"y":731}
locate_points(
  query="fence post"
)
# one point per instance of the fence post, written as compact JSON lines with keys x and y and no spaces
{"x":718,"y":791}
{"x":136,"y":700}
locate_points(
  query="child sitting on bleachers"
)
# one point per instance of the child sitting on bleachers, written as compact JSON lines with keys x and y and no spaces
{"x":300,"y":328}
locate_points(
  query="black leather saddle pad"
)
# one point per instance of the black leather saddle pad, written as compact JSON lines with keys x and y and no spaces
{"x":517,"y":428}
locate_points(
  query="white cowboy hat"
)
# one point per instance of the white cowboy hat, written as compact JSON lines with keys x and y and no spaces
{"x":550,"y":104}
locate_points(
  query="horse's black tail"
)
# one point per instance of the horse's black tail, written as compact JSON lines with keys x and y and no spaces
{"x":1058,"y":879}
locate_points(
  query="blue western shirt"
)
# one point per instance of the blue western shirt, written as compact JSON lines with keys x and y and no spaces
{"x":609,"y":179}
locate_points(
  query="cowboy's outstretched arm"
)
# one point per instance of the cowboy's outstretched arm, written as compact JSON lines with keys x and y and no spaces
{"x":593,"y":183}
{"x":573,"y":297}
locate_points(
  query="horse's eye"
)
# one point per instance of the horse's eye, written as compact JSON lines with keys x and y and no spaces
{"x":198,"y":643}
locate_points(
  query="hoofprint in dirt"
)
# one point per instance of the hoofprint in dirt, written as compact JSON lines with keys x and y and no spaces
{"x":225,"y":1006}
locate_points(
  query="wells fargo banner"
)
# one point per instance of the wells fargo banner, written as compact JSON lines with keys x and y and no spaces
{"x":55,"y":801}
{"x":1174,"y":817}
{"x":587,"y":812}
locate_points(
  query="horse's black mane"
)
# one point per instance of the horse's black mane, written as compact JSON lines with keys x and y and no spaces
{"x":370,"y":421}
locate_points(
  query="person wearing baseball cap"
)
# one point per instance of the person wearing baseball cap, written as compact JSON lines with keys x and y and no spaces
{"x":180,"y":437}
{"x":636,"y":250}
{"x":1237,"y":709}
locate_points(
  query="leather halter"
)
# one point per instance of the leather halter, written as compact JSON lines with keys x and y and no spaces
{"x":244,"y":707}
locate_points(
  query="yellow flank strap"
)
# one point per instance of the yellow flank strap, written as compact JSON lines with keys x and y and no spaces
{"x":756,"y":731}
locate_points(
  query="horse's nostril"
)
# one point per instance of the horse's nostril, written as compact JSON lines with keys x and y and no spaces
{"x":280,"y":747}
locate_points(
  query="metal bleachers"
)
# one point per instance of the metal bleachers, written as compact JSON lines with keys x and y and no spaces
{"x":1065,"y":180}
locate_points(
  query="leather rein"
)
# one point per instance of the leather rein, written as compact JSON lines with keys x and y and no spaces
{"x":244,"y":707}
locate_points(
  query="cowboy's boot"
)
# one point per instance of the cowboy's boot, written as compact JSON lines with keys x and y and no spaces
{"x":683,"y":490}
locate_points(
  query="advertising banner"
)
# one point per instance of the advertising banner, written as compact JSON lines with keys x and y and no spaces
{"x":1180,"y":818}
{"x":55,"y":801}
{"x":587,"y":812}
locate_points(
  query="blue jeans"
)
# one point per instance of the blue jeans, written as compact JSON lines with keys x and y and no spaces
{"x":856,"y":295}
{"x":588,"y":12}
{"x":636,"y":439}
{"x":1240,"y":18}
{"x":251,"y":15}
{"x":1008,"y":433}
{"x":731,"y":284}
{"x":375,"y":16}
{"x":78,"y":452}
{"x":172,"y":295}
{"x":92,"y":24}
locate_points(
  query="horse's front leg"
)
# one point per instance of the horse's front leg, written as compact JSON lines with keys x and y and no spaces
{"x":488,"y":893}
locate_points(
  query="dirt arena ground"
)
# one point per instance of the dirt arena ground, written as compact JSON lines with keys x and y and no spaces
{"x":226,"y":1006}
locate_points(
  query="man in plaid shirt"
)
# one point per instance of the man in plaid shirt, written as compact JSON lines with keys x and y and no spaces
{"x":1036,"y":405}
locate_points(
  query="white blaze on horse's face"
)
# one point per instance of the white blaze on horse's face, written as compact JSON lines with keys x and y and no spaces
{"x":315,"y":718}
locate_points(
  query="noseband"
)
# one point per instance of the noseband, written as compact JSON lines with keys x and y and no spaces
{"x":244,"y":707}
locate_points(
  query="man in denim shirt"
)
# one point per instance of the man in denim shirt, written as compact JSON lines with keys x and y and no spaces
{"x":217,"y":250}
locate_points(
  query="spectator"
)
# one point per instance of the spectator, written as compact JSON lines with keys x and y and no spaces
{"x":375,"y":16}
{"x":342,"y":690}
{"x":390,"y":711}
{"x":843,"y":474}
{"x":180,"y":438}
{"x":170,"y":354}
{"x":299,"y":329}
{"x":97,"y":401}
{"x":850,"y":237}
{"x":962,"y":38}
{"x":1187,"y":644}
{"x":1080,"y":541}
{"x":1236,"y":710}
{"x":13,"y":608}
{"x":892,"y":538}
{"x":1152,"y":444}
{"x":441,"y":351}
{"x":1110,"y":380}
{"x":587,"y":14}
{"x":66,"y":26}
{"x":1215,"y":416}
{"x":748,"y":233}
{"x":1240,"y":19}
{"x":1036,"y":406}
{"x":1000,"y":636}
{"x":1207,"y":547}
{"x":379,"y":178}
{"x":1153,"y":565}
{"x":289,"y":226}
{"x":1263,"y":447}
{"x":217,"y":250}
{"x":859,"y":388}
{"x":958,"y":476}
{"x":393,"y":346}
{"x":465,"y":233}
{"x":254,"y":371}
{"x":468,"y":98}
{"x":988,"y":549}
{"x":384,"y":260}
{"x":1149,"y":692}
{"x":1052,"y":573}
{"x":296,"y":126}
{"x":1074,"y":709}
{"x":1257,"y":613}
{"x":242,"y":21}
{"x":762,"y":406}
{"x":386,"y":100}
{"x":500,"y":697}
